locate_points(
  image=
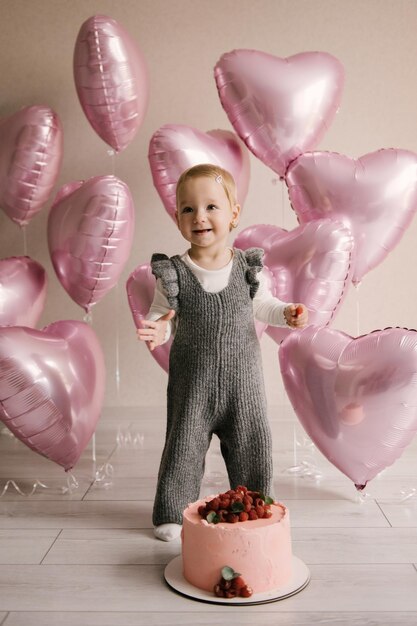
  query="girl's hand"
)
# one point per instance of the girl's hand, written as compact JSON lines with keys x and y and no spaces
{"x":154,"y":331}
{"x":296,"y":315}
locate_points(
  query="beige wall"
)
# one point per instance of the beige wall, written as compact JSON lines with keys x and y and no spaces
{"x":182,"y":40}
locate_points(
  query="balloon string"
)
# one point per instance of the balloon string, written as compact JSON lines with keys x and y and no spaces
{"x":13,"y":483}
{"x":112,"y":155}
{"x":362,"y":497}
{"x":282,"y":204}
{"x":357,"y":311}
{"x":128,"y":440}
{"x":72,"y":484}
{"x":93,"y":447}
{"x":25,"y":243}
{"x":408,"y":493}
{"x":103,"y":476}
{"x":305,"y":469}
{"x":294,"y":442}
{"x":117,"y":372}
{"x":88,"y":319}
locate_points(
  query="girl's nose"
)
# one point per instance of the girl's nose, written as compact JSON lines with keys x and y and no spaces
{"x":199,"y":216}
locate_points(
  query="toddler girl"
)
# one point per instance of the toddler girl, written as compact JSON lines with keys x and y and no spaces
{"x":208,"y":297}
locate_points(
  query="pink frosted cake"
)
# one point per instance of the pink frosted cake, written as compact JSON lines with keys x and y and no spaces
{"x":258,"y":547}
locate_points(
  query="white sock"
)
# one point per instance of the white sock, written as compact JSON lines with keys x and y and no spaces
{"x":167,"y":532}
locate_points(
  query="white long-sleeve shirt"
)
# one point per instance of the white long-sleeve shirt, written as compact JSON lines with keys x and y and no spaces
{"x":266,"y":308}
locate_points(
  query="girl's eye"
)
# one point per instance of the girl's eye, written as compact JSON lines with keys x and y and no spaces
{"x":186,"y":209}
{"x":211,"y":207}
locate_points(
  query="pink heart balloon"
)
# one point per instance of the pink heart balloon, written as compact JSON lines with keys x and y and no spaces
{"x":174,"y":148}
{"x":111,"y":80}
{"x":279,"y":107}
{"x":140,"y":287}
{"x":52,"y":387}
{"x":90,"y":234}
{"x":22,"y":291}
{"x":355,"y":397}
{"x":31,"y":148}
{"x":375,"y":196}
{"x":310,"y":264}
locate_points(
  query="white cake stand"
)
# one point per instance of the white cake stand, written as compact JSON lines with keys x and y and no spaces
{"x":298,"y":581}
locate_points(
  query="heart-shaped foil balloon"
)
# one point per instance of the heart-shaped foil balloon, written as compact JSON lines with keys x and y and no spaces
{"x":22,"y":291}
{"x":310,"y":265}
{"x":111,"y":80}
{"x":140,"y":288}
{"x":375,"y":196}
{"x":174,"y":148}
{"x":52,"y":387}
{"x":355,"y":397}
{"x":90,"y":234}
{"x":279,"y":107}
{"x":31,"y":148}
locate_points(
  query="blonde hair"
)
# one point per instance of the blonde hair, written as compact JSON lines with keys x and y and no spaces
{"x":221,"y":176}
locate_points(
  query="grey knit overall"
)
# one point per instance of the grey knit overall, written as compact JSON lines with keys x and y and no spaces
{"x":215,"y":384}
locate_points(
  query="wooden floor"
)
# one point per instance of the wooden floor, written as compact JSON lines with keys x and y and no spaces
{"x":88,"y":557}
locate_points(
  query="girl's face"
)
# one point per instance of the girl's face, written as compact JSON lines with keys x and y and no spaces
{"x":204,"y":213}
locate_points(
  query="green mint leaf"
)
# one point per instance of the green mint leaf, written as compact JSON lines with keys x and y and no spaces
{"x":228,"y":573}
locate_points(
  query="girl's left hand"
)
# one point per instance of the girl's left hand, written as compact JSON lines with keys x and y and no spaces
{"x":296,"y":315}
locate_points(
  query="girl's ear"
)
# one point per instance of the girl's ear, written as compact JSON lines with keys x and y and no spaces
{"x":176,"y":218}
{"x":236,"y":211}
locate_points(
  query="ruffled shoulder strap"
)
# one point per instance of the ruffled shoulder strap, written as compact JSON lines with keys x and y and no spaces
{"x":254,"y":261}
{"x":164,"y":268}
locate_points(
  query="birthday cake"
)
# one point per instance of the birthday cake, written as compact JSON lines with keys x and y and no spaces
{"x":242,"y":533}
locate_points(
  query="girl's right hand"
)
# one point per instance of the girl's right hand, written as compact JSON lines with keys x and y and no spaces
{"x":154,"y":331}
{"x":296,"y":315}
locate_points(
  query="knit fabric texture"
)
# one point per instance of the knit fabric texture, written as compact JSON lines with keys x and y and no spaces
{"x":215,"y":384}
